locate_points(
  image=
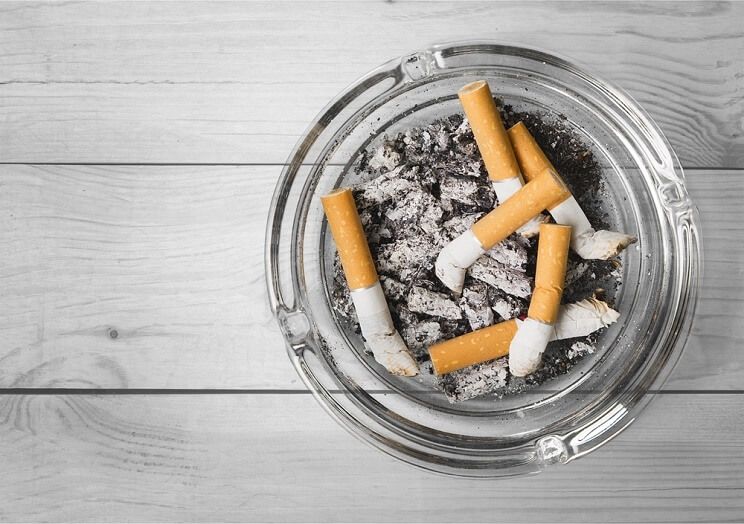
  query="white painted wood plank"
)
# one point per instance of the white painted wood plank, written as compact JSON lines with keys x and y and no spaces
{"x":712,"y":359}
{"x":195,"y":83}
{"x":171,"y":258}
{"x":280,"y":457}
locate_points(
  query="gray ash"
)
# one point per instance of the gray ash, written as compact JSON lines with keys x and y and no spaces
{"x":426,"y":186}
{"x":477,"y":380}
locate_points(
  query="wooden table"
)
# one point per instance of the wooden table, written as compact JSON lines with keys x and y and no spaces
{"x":142,"y":374}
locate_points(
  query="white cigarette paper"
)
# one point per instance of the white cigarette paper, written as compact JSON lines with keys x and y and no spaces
{"x":378,"y":330}
{"x":588,"y":243}
{"x":504,"y":189}
{"x":583,"y":318}
{"x":528,"y":345}
{"x":455,"y":259}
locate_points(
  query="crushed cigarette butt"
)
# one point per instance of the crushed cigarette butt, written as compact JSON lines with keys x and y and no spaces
{"x":586,"y":241}
{"x":525,"y":352}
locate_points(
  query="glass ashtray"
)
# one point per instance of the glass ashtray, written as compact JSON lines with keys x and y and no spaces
{"x":564,"y":418}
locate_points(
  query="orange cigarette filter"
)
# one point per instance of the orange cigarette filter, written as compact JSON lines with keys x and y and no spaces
{"x":490,"y":134}
{"x":550,"y":275}
{"x":473,"y":348}
{"x":543,"y":192}
{"x":532,"y":160}
{"x":351,"y":242}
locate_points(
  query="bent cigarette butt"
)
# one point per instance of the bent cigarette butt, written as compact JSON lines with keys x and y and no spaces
{"x":351,"y":242}
{"x":575,"y":320}
{"x":588,"y":243}
{"x":488,"y":129}
{"x":533,"y":335}
{"x":527,"y":346}
{"x":457,"y":256}
{"x":550,"y":274}
{"x":530,"y":157}
{"x":472,"y":348}
{"x":541,"y":193}
{"x":372,"y":310}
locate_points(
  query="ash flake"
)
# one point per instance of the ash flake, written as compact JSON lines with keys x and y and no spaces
{"x":426,"y":302}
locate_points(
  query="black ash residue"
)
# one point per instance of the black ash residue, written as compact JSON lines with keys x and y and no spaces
{"x":428,"y":185}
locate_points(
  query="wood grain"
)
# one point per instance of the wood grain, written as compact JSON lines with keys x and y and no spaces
{"x":171,"y":259}
{"x":280,"y":457}
{"x":188,"y":83}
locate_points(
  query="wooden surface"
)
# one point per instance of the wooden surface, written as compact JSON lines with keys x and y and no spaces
{"x":278,"y":457}
{"x":139,"y":146}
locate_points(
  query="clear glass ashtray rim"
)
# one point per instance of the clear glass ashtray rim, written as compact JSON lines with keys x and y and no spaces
{"x":371,"y":427}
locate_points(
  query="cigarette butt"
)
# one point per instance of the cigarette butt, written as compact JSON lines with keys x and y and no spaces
{"x":588,"y":243}
{"x":351,"y":242}
{"x":532,"y":161}
{"x":550,"y":275}
{"x":488,"y":129}
{"x":532,"y":337}
{"x":542,"y":192}
{"x":372,"y":310}
{"x":472,"y":348}
{"x":575,"y":320}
